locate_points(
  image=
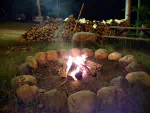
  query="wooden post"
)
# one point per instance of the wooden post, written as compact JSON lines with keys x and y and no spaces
{"x":128,"y":11}
{"x":39,"y":11}
{"x":126,"y":38}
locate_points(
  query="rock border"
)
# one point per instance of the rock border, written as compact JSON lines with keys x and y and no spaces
{"x":115,"y":85}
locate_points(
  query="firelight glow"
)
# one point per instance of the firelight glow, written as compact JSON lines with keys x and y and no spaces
{"x":69,"y":63}
{"x":79,"y":61}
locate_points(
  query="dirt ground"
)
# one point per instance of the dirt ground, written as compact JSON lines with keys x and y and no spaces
{"x":50,"y":79}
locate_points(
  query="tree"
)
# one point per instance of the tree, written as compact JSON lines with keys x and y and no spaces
{"x":143,"y":14}
{"x":128,"y":11}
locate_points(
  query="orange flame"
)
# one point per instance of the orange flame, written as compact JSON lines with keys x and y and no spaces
{"x":79,"y":61}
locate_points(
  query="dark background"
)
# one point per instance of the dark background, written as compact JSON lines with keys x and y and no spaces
{"x":93,"y":10}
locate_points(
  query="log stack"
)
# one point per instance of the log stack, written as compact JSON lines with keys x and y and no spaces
{"x":42,"y":32}
{"x":59,"y":28}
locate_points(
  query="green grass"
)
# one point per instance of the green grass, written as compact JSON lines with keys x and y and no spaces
{"x":10,"y":31}
{"x":16,"y":25}
{"x":6,"y":41}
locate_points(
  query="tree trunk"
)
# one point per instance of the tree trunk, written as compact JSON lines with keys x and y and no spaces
{"x":128,"y":11}
{"x":138,"y":13}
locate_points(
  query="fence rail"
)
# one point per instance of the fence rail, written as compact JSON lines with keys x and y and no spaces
{"x":145,"y":30}
{"x":129,"y":28}
{"x":126,"y":38}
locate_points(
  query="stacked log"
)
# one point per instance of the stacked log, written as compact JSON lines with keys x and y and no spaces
{"x":42,"y":32}
{"x":65,"y":29}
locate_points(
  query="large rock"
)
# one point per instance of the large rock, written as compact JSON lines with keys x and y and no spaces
{"x":31,"y":61}
{"x":24,"y":79}
{"x":101,"y":54}
{"x":119,"y":81}
{"x":133,"y":67}
{"x":138,"y":77}
{"x":110,"y":97}
{"x":23,"y":69}
{"x":41,"y":57}
{"x":115,"y":56}
{"x":84,"y":38}
{"x":75,"y":52}
{"x":63,"y":53}
{"x":27,"y":93}
{"x":82,"y":102}
{"x":127,"y":60}
{"x":52,"y":55}
{"x":88,"y":52}
{"x":54,"y":101}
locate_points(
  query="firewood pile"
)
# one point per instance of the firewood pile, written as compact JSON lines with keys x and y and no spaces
{"x":59,"y":28}
{"x":43,"y":32}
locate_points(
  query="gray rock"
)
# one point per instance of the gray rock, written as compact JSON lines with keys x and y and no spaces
{"x":124,"y":61}
{"x":133,"y":67}
{"x":138,"y":77}
{"x":55,"y":101}
{"x":119,"y":81}
{"x":110,"y":97}
{"x":83,"y":38}
{"x":82,"y":102}
{"x":23,"y":69}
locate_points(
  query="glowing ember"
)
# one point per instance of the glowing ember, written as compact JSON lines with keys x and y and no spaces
{"x":79,"y":63}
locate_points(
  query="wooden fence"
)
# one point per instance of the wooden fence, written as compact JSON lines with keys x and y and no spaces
{"x":127,"y":29}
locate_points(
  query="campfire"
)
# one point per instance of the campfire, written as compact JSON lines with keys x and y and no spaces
{"x":79,"y":67}
{"x":68,"y":75}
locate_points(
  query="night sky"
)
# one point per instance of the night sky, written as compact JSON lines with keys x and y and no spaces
{"x":93,"y":10}
{"x":104,"y":9}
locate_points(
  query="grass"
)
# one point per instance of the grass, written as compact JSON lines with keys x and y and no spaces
{"x":16,"y":25}
{"x":9,"y":40}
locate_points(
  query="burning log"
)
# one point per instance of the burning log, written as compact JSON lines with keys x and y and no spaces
{"x":63,"y":71}
{"x":78,"y":75}
{"x":78,"y":68}
{"x":93,"y":65}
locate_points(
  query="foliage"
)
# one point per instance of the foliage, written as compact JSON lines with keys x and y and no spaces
{"x":147,"y":22}
{"x":144,"y":13}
